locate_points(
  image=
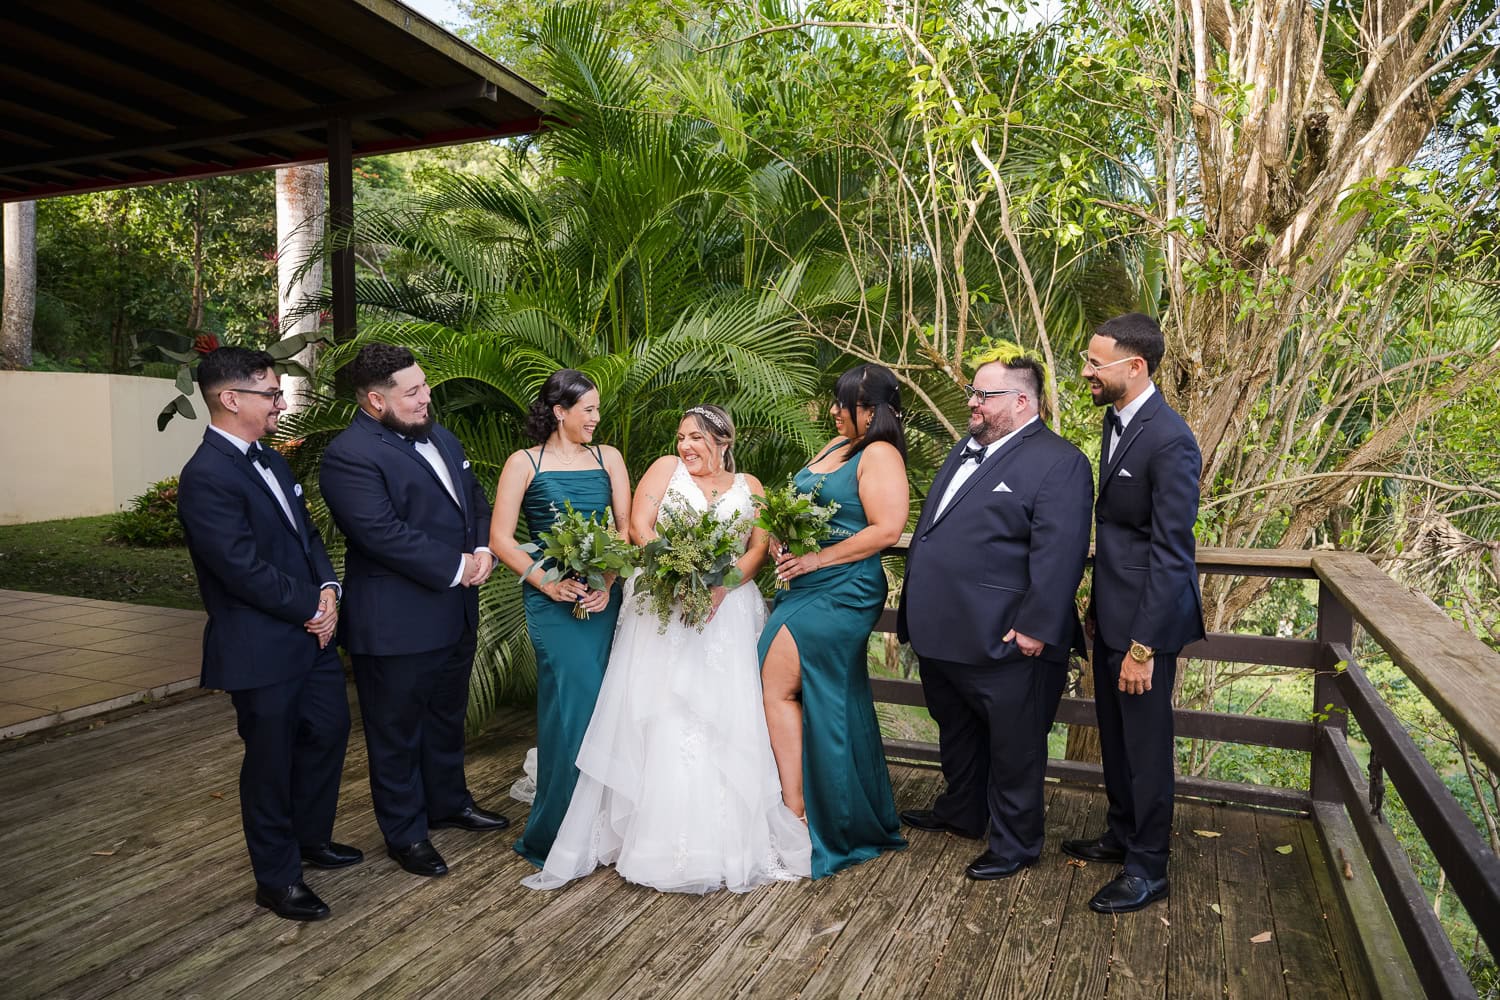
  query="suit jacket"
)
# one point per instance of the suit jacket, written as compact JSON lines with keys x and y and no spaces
{"x":406,"y":537}
{"x":260,"y":575}
{"x":1007,"y":552}
{"x":1145,"y":570}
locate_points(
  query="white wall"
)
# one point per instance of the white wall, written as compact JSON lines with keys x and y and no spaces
{"x":74,"y":445}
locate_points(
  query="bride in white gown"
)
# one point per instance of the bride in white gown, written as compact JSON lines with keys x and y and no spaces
{"x":677,"y":787}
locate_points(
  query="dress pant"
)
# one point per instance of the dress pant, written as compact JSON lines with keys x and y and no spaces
{"x":1136,"y":740}
{"x":295,"y":733}
{"x":993,"y":721}
{"x":413,"y":710}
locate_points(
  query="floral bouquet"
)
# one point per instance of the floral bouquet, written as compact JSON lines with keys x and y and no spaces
{"x":794,"y":519}
{"x":691,"y":555}
{"x":580,"y":548}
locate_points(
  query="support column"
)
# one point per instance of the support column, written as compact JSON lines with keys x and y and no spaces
{"x":1330,"y":710}
{"x":341,"y":220}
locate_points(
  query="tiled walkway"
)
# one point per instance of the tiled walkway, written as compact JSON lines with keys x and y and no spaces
{"x":63,"y":658}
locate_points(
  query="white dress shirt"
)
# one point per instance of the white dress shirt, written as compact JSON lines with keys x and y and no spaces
{"x":275,"y":485}
{"x":434,"y":458}
{"x":1126,"y":415}
{"x":968,"y":468}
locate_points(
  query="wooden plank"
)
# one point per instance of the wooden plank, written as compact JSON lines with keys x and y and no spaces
{"x":1019,"y":969}
{"x":1454,"y":669}
{"x":1195,"y":957}
{"x":839,"y":936}
{"x":1252,"y":969}
{"x":1086,"y":939}
{"x":1326,"y":884}
{"x":1300,"y":924}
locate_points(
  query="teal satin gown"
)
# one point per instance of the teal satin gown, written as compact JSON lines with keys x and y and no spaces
{"x":851,"y":812}
{"x":571,"y":655}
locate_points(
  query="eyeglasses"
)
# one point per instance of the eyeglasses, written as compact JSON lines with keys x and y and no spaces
{"x":1089,"y":362}
{"x":276,"y":396}
{"x":986,"y":394}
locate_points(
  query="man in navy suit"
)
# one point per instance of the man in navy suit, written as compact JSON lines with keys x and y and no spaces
{"x":1146,"y":604}
{"x":989,"y":607}
{"x":416,"y":521}
{"x":271,"y":598}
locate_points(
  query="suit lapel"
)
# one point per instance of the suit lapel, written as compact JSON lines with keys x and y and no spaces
{"x":247,"y":469}
{"x":1134,"y":430}
{"x":453,"y":472}
{"x":991,"y":462}
{"x":940,"y":485}
{"x":407,"y":449}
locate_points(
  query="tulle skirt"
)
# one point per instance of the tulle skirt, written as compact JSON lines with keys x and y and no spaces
{"x":677,"y":787}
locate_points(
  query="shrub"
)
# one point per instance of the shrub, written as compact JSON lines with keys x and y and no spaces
{"x":151,"y":519}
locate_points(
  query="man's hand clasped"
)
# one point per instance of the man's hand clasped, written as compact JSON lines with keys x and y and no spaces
{"x":1025,"y":643}
{"x":325,"y":622}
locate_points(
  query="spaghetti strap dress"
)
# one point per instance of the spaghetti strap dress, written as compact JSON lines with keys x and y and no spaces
{"x":571,"y":654}
{"x":851,"y":812}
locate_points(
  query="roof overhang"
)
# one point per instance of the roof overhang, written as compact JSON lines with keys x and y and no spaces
{"x":96,"y":94}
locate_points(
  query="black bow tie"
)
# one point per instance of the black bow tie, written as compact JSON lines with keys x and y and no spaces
{"x":976,"y":455}
{"x":413,"y":440}
{"x":1113,"y":422}
{"x":256,"y":453}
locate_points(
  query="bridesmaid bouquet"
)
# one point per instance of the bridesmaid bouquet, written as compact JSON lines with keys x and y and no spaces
{"x":691,"y":555}
{"x":580,"y":548}
{"x":794,"y":519}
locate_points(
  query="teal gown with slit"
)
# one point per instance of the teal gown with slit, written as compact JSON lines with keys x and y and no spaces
{"x":851,"y":812}
{"x":571,"y":655}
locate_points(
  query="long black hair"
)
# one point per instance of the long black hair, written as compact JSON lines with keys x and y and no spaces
{"x":564,"y":388}
{"x":876,"y":387}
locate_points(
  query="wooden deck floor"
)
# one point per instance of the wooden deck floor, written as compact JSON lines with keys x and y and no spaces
{"x":126,"y":876}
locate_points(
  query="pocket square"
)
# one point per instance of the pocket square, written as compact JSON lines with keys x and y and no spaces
{"x":1125,"y":474}
{"x":466,"y":463}
{"x":1002,"y":488}
{"x":297,"y":488}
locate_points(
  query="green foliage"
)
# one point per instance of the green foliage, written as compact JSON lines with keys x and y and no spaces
{"x":796,"y":520}
{"x":580,"y":548}
{"x":151,"y":519}
{"x":691,"y":555}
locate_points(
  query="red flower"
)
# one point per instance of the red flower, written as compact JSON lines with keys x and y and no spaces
{"x":205,"y":342}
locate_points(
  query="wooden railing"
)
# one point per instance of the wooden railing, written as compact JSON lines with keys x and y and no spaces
{"x":1460,"y":676}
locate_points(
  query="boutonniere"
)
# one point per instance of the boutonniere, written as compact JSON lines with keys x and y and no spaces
{"x":297,"y":488}
{"x":466,"y":463}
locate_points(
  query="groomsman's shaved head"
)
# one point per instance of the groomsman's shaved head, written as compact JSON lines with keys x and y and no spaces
{"x":226,"y":367}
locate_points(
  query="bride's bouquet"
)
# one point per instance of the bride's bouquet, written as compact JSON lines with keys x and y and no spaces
{"x":580,"y":548}
{"x":691,"y":555}
{"x":795,"y":519}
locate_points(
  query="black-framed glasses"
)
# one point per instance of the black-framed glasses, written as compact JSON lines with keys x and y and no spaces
{"x":274,"y":395}
{"x":985,"y":395}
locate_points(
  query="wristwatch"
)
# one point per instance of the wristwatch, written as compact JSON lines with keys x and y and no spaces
{"x":1140,"y":652}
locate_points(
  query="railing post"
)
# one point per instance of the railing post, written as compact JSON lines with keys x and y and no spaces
{"x":1335,"y":627}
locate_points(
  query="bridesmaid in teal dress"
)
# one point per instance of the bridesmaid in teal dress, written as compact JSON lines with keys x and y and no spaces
{"x":570,"y":653}
{"x":814,"y":667}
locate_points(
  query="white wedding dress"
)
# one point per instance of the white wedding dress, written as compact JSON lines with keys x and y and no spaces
{"x":677,"y":787}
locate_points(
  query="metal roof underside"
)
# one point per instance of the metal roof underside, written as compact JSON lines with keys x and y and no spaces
{"x":99,"y":94}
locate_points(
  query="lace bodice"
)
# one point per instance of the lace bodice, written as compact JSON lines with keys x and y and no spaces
{"x":734,"y":503}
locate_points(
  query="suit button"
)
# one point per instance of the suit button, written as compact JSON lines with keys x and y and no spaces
{"x":924,"y":538}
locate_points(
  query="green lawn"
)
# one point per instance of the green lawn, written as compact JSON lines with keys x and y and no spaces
{"x":72,"y":558}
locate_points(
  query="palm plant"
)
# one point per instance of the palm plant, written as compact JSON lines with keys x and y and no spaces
{"x":629,"y":262}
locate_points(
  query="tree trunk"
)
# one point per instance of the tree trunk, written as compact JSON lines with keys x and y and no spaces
{"x":195,"y":309}
{"x":19,"y":311}
{"x":299,"y":231}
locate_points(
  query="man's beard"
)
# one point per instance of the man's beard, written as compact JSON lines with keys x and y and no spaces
{"x":1107,"y":394}
{"x":992,"y":429}
{"x":390,"y":421}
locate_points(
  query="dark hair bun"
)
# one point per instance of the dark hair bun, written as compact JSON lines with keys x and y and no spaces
{"x":564,"y":388}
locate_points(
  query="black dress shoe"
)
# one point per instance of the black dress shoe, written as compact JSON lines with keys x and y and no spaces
{"x":989,"y":866}
{"x":1093,"y":850}
{"x":420,"y":858}
{"x":926,"y":819}
{"x":474,"y":819}
{"x":1128,"y":893}
{"x":295,"y":902}
{"x":332,"y":855}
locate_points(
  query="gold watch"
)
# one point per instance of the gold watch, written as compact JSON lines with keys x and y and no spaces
{"x":1140,"y":652}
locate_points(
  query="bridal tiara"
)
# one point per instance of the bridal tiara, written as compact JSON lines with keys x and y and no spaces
{"x":712,"y":417}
